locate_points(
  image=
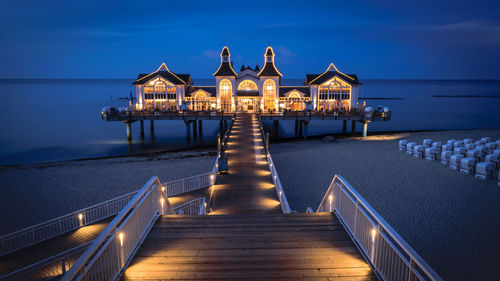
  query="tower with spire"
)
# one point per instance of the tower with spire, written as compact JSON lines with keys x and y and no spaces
{"x":225,"y":82}
{"x":270,"y":79}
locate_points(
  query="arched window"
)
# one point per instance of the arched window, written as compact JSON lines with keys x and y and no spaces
{"x":159,"y":94}
{"x":225,"y":92}
{"x":201,"y":101}
{"x":334,"y":95}
{"x":269,"y":95}
{"x":247,"y":85}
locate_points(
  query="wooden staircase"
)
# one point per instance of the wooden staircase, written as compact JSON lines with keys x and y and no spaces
{"x":248,"y":247}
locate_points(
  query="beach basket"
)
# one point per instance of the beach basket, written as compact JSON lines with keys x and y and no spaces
{"x":447,"y":147}
{"x":493,"y":158}
{"x":474,"y":153}
{"x":418,"y":151}
{"x":409,"y":148}
{"x":468,"y":141}
{"x":486,"y":139}
{"x":458,"y":144}
{"x":469,"y":146}
{"x":460,"y":150}
{"x":482,"y":150}
{"x":467,"y":165}
{"x":445,"y":157}
{"x":427,"y":143}
{"x":491,"y":146}
{"x":484,"y":170}
{"x":431,"y":153}
{"x":450,"y":142}
{"x":455,"y":161}
{"x":402,"y":145}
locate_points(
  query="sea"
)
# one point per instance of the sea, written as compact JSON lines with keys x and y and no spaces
{"x":45,"y":120}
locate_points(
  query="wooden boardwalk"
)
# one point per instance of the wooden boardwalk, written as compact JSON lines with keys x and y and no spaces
{"x":248,"y":187}
{"x":248,"y":247}
{"x":246,"y":236}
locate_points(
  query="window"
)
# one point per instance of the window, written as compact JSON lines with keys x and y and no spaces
{"x":225,"y":92}
{"x":269,"y":95}
{"x":247,"y":85}
{"x":159,"y":94}
{"x":335,"y":95}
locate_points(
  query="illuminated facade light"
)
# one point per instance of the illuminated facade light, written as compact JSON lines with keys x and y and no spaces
{"x":121,"y":236}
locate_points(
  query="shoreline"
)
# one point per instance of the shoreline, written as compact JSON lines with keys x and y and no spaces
{"x":206,"y":147}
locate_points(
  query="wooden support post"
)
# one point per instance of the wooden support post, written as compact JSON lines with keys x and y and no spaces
{"x":221,"y":129}
{"x":365,"y":129}
{"x":306,"y":129}
{"x":188,"y":132}
{"x":353,"y":126}
{"x":129,"y":130}
{"x":344,"y":126}
{"x":276,"y":125}
{"x":296,"y":127}
{"x":195,"y":129}
{"x":225,"y":126}
{"x":200,"y":127}
{"x":152,"y":127}
{"x":300,"y":127}
{"x":141,"y":122}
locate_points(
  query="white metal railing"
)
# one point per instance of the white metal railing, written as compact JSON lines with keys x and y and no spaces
{"x":113,"y":249}
{"x":196,"y":206}
{"x":285,"y":206}
{"x":189,"y":184}
{"x":390,"y":256}
{"x":49,"y":268}
{"x":40,"y":232}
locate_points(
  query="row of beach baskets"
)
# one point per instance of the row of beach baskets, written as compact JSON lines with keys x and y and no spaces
{"x":479,"y":158}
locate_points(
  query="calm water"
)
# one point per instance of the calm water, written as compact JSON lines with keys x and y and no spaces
{"x":48,"y":120}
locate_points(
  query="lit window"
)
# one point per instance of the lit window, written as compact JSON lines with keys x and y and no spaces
{"x":269,"y":95}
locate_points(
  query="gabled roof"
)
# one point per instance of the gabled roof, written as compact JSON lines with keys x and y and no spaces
{"x":285,"y":89}
{"x":331,"y":71}
{"x":163,"y":71}
{"x":210,"y":89}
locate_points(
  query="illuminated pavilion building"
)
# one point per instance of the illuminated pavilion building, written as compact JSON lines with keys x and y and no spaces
{"x":252,"y":89}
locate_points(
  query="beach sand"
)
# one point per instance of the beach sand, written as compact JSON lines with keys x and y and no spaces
{"x":451,"y":219}
{"x":34,"y":193}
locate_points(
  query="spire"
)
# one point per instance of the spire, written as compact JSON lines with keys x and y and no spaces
{"x":269,"y":68}
{"x":332,"y":67}
{"x":242,"y":67}
{"x":226,"y":66}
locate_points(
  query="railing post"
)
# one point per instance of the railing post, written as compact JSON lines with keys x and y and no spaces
{"x":63,"y":266}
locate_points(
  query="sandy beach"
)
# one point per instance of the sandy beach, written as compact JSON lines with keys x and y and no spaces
{"x":450,"y":219}
{"x":34,"y":193}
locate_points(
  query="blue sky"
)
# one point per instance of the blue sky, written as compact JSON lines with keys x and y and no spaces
{"x":375,"y":39}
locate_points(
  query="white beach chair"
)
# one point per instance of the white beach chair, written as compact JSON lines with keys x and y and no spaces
{"x":474,"y":153}
{"x":460,"y":150}
{"x":458,"y":144}
{"x":479,"y":142}
{"x":402,"y":145}
{"x":468,"y":141}
{"x":482,"y":151}
{"x":409,"y":148}
{"x":467,"y":165}
{"x":469,"y":146}
{"x":491,"y":146}
{"x":451,"y":142}
{"x":498,"y":143}
{"x":418,"y":151}
{"x":455,"y":161}
{"x":484,"y":170}
{"x":431,"y":153}
{"x":438,"y":146}
{"x":447,"y":147}
{"x":445,"y":157}
{"x":496,"y":151}
{"x":486,"y":139}
{"x":427,"y":143}
{"x":493,"y":158}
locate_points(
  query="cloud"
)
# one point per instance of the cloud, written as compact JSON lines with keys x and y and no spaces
{"x":211,"y":54}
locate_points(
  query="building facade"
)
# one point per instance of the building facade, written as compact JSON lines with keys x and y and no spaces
{"x":249,"y":90}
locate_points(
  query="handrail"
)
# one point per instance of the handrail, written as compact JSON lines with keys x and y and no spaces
{"x":285,"y":206}
{"x":50,"y":267}
{"x":188,"y":184}
{"x":196,"y":206}
{"x":40,"y":232}
{"x":113,"y":249}
{"x":388,"y":253}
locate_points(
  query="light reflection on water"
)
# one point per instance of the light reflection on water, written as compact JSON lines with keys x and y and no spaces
{"x":47,"y":120}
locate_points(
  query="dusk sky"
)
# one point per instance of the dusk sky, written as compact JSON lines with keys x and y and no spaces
{"x":375,"y":39}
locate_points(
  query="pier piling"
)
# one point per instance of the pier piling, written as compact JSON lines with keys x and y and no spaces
{"x":141,"y":122}
{"x":152,"y":127}
{"x":306,"y":129}
{"x":129,"y":131}
{"x":344,"y":126}
{"x":200,"y":128}
{"x":353,"y":126}
{"x":188,"y":132}
{"x":195,"y":129}
{"x":276,"y":124}
{"x":296,"y":127}
{"x":365,"y":129}
{"x":300,"y":128}
{"x":221,"y":129}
